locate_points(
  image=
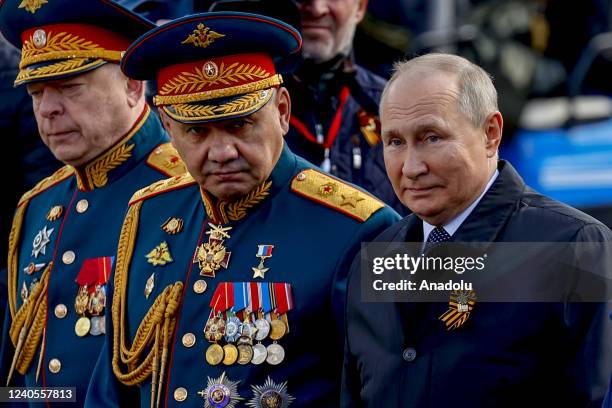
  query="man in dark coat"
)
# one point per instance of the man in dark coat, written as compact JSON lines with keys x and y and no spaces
{"x":441,"y":129}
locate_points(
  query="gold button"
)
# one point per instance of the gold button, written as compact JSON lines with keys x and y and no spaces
{"x":180,"y":394}
{"x":55,"y":366}
{"x":68,"y":257}
{"x":82,"y":206}
{"x":60,"y":311}
{"x":189,"y":340}
{"x":301,"y":177}
{"x":199,"y":286}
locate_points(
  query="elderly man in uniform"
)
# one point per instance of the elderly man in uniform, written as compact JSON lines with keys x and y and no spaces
{"x":229,"y":282}
{"x":334,"y":123}
{"x":441,"y":132}
{"x":64,"y":235}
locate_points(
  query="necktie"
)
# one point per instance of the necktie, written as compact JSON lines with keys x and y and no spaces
{"x":436,"y":236}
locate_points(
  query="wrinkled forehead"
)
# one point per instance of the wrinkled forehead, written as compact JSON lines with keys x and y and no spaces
{"x":420,"y":92}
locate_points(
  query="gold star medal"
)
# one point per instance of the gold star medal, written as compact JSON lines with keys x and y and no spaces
{"x":264,"y":251}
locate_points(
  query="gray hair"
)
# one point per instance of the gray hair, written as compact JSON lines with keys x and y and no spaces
{"x":477,"y":94}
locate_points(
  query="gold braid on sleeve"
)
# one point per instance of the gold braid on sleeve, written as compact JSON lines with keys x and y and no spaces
{"x":28,"y":324}
{"x":12,"y":257}
{"x":130,"y":364}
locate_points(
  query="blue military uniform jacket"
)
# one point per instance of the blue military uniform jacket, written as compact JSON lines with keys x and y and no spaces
{"x":64,"y":236}
{"x":552,"y":354}
{"x":356,"y":154}
{"x":165,"y":293}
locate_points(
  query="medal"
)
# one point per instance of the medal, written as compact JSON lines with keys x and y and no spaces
{"x":270,"y":395}
{"x":82,"y":326}
{"x":95,"y":329}
{"x":214,"y":354}
{"x":81,"y":301}
{"x":263,"y":252}
{"x":263,"y":329}
{"x":277,"y":330}
{"x":245,"y":354}
{"x":260,"y":353}
{"x":233,"y":328}
{"x":39,"y":245}
{"x":33,"y":267}
{"x":55,"y":212}
{"x":370,"y":127}
{"x":220,"y":393}
{"x":460,"y":305}
{"x":91,"y":296}
{"x":97,"y":301}
{"x":230,"y":354}
{"x":172,"y":225}
{"x":247,"y":333}
{"x":239,"y":301}
{"x":213,"y":255}
{"x":215,"y":329}
{"x":276,"y":354}
{"x":102,"y":324}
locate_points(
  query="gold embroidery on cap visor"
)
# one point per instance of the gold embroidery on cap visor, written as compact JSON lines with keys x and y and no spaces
{"x":240,"y":106}
{"x":66,"y":53}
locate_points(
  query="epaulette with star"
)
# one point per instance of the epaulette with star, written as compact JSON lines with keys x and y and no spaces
{"x":336,"y":194}
{"x":165,"y":159}
{"x":162,"y":186}
{"x":46,"y":183}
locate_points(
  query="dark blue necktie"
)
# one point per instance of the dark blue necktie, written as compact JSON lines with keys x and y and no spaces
{"x":436,"y":236}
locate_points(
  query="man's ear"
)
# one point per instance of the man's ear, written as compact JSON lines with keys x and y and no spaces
{"x":135,"y":92}
{"x":165,"y":120}
{"x":494,"y":126}
{"x":361,"y":9}
{"x":283,"y":104}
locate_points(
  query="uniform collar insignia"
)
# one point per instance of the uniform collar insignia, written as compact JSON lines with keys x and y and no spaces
{"x":224,"y":212}
{"x":114,"y":162}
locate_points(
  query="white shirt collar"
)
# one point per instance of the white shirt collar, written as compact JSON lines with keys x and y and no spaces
{"x":454,"y":224}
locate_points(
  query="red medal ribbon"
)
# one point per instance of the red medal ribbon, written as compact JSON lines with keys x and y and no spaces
{"x":223,"y":298}
{"x":255,"y":302}
{"x":94,"y":271}
{"x":332,"y":133}
{"x":214,"y":301}
{"x":284,"y":297}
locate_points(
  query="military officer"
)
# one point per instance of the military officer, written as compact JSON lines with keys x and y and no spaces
{"x":64,"y":234}
{"x":229,"y":281}
{"x":334,"y":122}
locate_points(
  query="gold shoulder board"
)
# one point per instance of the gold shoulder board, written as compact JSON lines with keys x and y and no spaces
{"x":46,"y":183}
{"x":166,"y":160}
{"x":336,"y":194}
{"x":162,"y":186}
